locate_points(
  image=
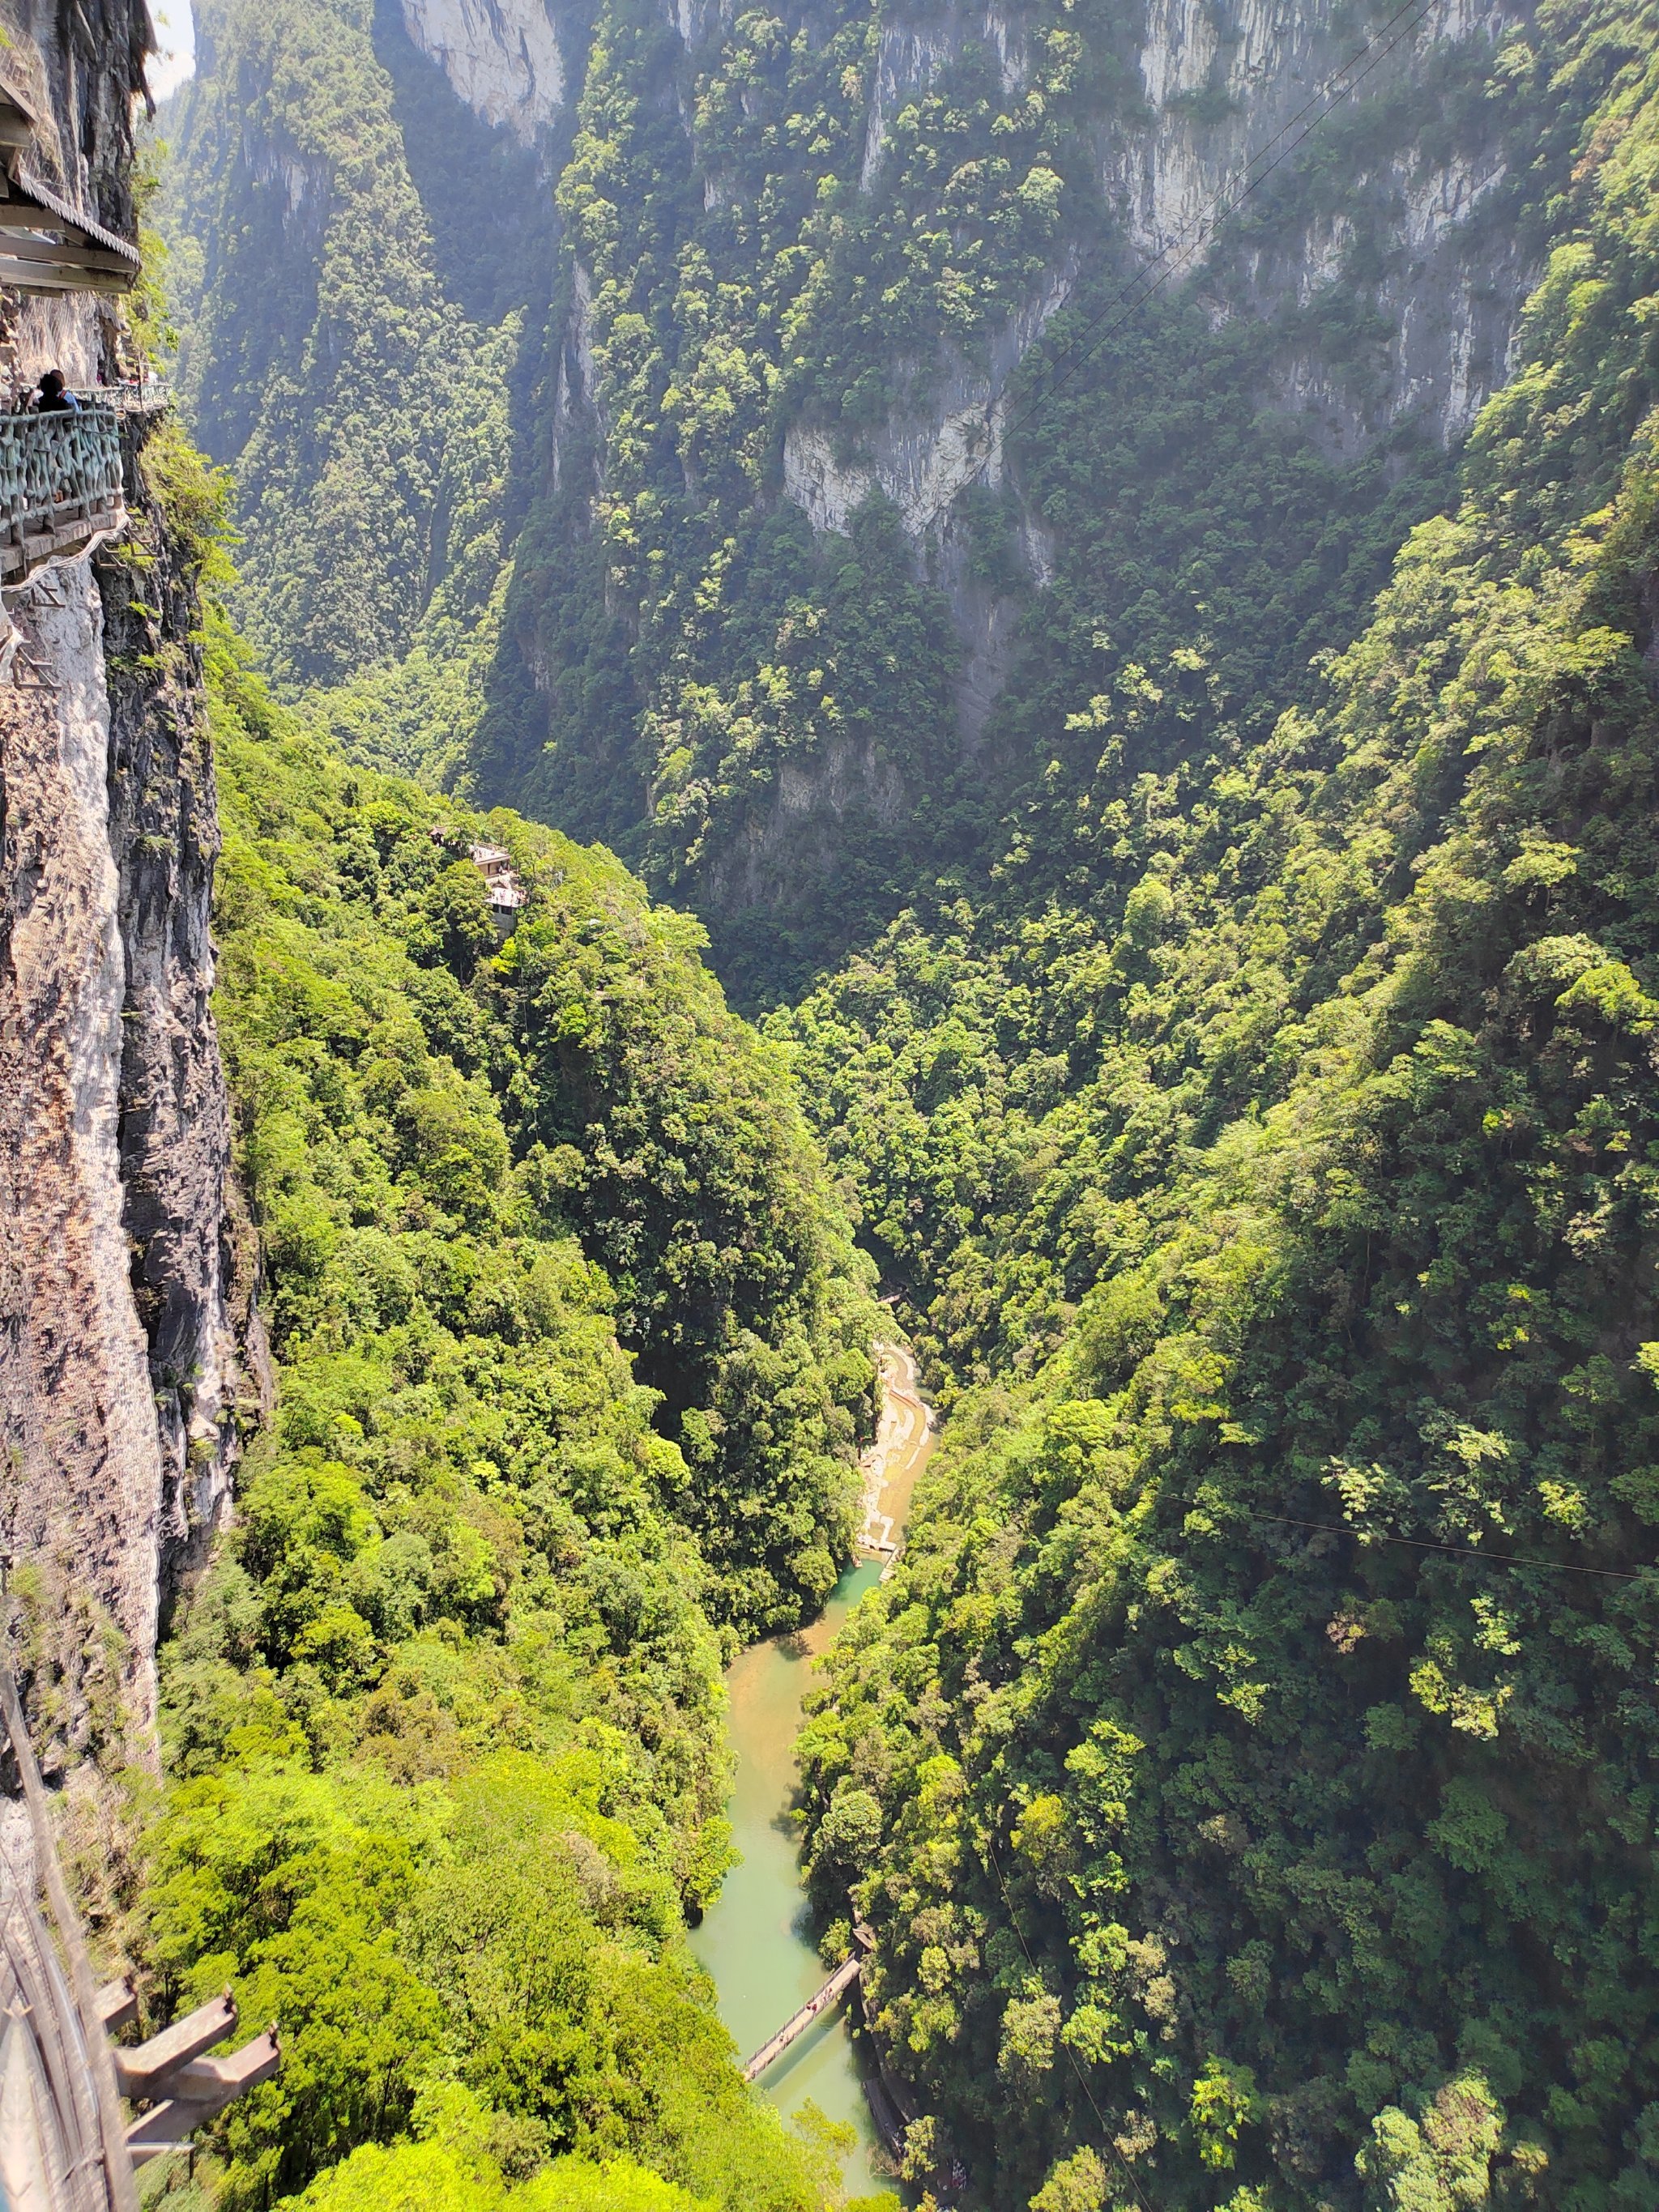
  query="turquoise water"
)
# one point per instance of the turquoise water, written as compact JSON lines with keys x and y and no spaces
{"x":755,"y":1940}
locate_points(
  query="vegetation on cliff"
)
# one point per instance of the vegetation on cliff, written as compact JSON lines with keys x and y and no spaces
{"x":775,"y":259}
{"x":789,"y":287}
{"x":572,"y":1363}
{"x":359,"y":271}
{"x":1248,"y":1771}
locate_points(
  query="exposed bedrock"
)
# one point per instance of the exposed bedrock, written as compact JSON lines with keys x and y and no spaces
{"x":193,"y":1252}
{"x":1387,"y":297}
{"x":500,"y":55}
{"x":814,"y":803}
{"x":1447,"y":274}
{"x":83,"y":1481}
{"x":1452,"y":290}
{"x":127,"y":1339}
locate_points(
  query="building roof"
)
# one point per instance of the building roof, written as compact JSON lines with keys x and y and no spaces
{"x":47,"y":243}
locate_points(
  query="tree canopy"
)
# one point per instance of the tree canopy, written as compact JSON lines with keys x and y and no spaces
{"x":572,"y":1364}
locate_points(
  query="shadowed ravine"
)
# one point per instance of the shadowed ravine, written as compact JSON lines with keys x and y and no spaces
{"x":756,"y":1941}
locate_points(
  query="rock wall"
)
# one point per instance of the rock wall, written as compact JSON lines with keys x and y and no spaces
{"x":1196,"y":88}
{"x":78,"y":66}
{"x":1452,"y":287}
{"x":1217,"y":86}
{"x":83,"y":1474}
{"x":128,"y":1343}
{"x":194,"y":1257}
{"x":1452,"y":293}
{"x":815,"y":802}
{"x":502,"y":56}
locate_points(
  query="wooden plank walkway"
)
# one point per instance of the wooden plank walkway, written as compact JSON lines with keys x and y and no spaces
{"x":830,"y":1995}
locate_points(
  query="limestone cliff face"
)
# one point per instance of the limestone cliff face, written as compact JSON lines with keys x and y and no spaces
{"x":358,"y":208}
{"x":1445,"y":279}
{"x":500,"y":55}
{"x":193,"y":1252}
{"x":798,"y":838}
{"x":127,"y":1339}
{"x":1453,"y":282}
{"x":1450,"y":297}
{"x":77,"y":67}
{"x":84,"y":1455}
{"x":1416,"y":245}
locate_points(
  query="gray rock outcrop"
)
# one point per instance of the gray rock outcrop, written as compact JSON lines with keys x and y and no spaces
{"x":128,"y":1342}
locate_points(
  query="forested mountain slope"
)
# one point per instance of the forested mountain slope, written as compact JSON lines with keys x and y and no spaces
{"x":837,"y":615}
{"x":359,"y":267}
{"x":1249,"y":1770}
{"x":1235,"y":1009}
{"x":572,"y":1363}
{"x":711,"y":457}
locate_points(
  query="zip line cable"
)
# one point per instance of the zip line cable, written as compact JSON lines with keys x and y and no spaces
{"x":1467,"y":1551}
{"x":1230,"y":198}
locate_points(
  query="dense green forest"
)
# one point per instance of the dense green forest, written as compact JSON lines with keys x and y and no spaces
{"x":572,"y":1363}
{"x":700,"y":643}
{"x":556,"y":462}
{"x":359,"y":269}
{"x":1249,"y":1771}
{"x":1240,"y":1064}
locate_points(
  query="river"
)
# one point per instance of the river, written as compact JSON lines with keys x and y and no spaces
{"x":755,"y":1940}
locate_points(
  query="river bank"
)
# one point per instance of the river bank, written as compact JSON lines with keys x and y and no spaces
{"x":755,"y":1940}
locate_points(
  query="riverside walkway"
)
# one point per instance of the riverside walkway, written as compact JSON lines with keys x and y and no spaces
{"x":889,"y":1467}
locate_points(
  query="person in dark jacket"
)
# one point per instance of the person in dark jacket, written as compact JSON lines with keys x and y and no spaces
{"x":55,"y":397}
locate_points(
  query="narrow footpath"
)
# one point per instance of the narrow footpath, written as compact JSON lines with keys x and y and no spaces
{"x":814,"y":2008}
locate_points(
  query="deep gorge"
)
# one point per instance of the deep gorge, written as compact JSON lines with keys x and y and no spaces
{"x":1105,"y":824}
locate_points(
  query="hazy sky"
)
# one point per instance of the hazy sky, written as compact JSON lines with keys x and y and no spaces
{"x":175,"y":33}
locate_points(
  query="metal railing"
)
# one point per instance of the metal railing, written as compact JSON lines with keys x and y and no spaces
{"x":129,"y":398}
{"x":60,"y":480}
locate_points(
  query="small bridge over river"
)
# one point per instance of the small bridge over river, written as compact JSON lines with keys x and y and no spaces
{"x":822,"y":2000}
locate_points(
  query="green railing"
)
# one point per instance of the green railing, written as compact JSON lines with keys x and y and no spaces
{"x":60,"y":480}
{"x":153,"y":396}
